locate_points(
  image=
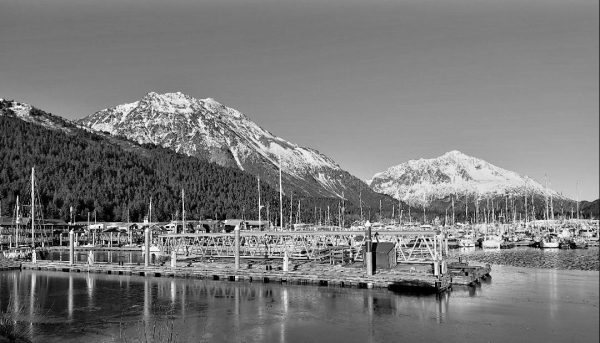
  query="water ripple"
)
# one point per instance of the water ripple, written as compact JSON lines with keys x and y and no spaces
{"x":580,"y":259}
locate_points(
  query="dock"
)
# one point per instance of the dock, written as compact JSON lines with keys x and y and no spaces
{"x":463,"y":273}
{"x":8,"y":264}
{"x":311,"y":274}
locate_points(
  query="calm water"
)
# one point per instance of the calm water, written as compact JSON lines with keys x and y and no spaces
{"x":578,"y":259}
{"x":517,"y":304}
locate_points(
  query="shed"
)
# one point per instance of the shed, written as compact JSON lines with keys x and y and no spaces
{"x":384,"y":255}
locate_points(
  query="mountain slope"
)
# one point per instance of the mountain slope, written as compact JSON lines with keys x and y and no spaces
{"x":425,"y":180}
{"x":211,"y":131}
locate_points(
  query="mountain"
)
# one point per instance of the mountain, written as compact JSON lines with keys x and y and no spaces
{"x":28,"y":113}
{"x":111,"y":178}
{"x":213,"y":132}
{"x":420,"y":182}
{"x":94,"y":172}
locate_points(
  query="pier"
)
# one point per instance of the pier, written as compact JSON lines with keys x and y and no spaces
{"x":309,"y":274}
{"x":416,"y":261}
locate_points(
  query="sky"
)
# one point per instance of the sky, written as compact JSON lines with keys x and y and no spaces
{"x":371,"y":84}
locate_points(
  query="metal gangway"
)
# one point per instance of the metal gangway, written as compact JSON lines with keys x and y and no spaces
{"x":411,"y":246}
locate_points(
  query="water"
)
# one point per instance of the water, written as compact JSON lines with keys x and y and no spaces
{"x":516,"y":304}
{"x":578,"y":259}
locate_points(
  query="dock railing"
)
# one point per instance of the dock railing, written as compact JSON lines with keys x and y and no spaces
{"x":411,"y":246}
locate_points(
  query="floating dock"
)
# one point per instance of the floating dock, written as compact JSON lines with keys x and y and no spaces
{"x":317,"y":275}
{"x":462,"y":273}
{"x":7,"y":264}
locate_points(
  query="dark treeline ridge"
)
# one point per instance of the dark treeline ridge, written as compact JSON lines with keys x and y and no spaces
{"x":114,"y":180}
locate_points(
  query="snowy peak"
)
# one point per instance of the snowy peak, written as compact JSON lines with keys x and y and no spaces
{"x":210,"y":130}
{"x":28,"y":113}
{"x":425,"y":180}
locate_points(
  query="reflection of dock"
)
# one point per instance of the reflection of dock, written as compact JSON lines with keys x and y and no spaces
{"x":320,"y":275}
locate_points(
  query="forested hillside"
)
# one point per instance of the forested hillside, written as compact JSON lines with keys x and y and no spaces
{"x":114,"y":179}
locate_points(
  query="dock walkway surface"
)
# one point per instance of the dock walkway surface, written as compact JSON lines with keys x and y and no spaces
{"x":417,"y":279}
{"x":8,"y":264}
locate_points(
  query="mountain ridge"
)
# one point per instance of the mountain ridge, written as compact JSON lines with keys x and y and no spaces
{"x":416,"y":181}
{"x":212,"y":131}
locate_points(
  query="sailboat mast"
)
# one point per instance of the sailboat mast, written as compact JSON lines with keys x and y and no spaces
{"x":577,"y":202}
{"x":360,"y":202}
{"x":546,"y":195}
{"x":280,"y":197}
{"x":18,"y":221}
{"x":259,"y":222}
{"x":33,"y":207}
{"x":291,"y":208}
{"x":182,"y":211}
{"x":525,"y":202}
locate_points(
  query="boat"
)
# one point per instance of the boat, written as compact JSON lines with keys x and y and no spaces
{"x":550,"y":242}
{"x":491,"y":242}
{"x":579,"y":243}
{"x":466,"y":241}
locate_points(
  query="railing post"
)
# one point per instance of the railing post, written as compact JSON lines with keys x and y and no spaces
{"x":173,"y":258}
{"x":236,"y":232}
{"x":71,"y":247}
{"x":286,"y":261}
{"x":147,"y":247}
{"x":368,"y":250}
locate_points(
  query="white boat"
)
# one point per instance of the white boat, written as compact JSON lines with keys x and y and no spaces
{"x":467,"y":241}
{"x":549,"y":242}
{"x":491,"y":242}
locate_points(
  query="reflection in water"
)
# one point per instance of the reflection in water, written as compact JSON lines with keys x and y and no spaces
{"x":212,"y":311}
{"x":71,"y":296}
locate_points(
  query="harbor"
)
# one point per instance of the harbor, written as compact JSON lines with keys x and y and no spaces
{"x":98,"y":306}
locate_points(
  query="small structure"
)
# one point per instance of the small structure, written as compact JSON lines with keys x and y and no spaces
{"x":384,"y":255}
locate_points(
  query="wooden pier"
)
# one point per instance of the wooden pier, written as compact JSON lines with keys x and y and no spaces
{"x":316,"y":275}
{"x":8,"y":264}
{"x":462,"y":273}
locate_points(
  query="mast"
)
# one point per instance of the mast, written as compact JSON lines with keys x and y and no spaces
{"x":298,"y":213}
{"x":291,"y":208}
{"x":18,"y":221}
{"x":466,"y":207}
{"x":551,"y":203}
{"x":526,"y":203}
{"x":259,"y":207}
{"x":578,"y":203}
{"x":32,"y":207}
{"x":343,"y":211}
{"x":182,"y":211}
{"x":546,"y":195}
{"x":453,"y":217}
{"x":150,"y":211}
{"x":360,"y":201}
{"x":280,"y":197}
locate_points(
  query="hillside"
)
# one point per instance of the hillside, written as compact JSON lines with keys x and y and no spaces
{"x":216,"y":133}
{"x":114,"y":178}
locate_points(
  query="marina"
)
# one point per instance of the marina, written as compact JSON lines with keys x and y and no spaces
{"x":101,"y":307}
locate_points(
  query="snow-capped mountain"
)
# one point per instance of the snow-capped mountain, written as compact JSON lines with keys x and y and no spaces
{"x":33,"y":115}
{"x":454,"y":173}
{"x":209,"y":130}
